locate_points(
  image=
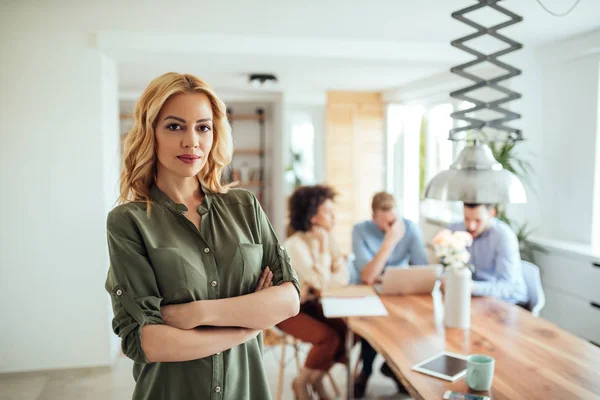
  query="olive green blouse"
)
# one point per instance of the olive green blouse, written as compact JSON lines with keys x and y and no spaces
{"x":162,"y":258}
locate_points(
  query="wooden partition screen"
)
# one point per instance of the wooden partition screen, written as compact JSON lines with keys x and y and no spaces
{"x":354,"y":157}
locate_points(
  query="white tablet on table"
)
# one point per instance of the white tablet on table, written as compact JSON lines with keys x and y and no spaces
{"x":446,"y":365}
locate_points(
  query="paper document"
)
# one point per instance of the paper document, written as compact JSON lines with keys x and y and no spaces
{"x":335,"y":307}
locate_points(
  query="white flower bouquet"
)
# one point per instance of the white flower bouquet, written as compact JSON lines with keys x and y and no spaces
{"x":451,"y":249}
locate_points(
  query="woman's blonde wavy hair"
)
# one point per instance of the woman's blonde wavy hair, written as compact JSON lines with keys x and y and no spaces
{"x":138,"y":172}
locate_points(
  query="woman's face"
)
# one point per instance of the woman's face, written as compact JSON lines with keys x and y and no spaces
{"x":184,"y":134}
{"x":325,"y":216}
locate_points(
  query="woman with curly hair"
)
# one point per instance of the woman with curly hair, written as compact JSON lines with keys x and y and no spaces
{"x":319,"y":265}
{"x":196,"y":271}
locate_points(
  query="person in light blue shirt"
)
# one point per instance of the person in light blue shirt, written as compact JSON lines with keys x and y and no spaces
{"x":386,"y":241}
{"x":494,"y":254}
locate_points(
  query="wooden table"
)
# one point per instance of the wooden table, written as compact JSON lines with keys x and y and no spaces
{"x":535,"y":359}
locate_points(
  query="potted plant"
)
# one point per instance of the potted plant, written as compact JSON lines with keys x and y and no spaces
{"x":510,"y":160}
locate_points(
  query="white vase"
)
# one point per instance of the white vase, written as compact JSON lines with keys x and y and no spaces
{"x":457,"y":298}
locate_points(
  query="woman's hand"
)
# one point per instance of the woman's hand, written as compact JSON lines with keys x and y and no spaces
{"x":179,"y":315}
{"x":265,"y":280}
{"x":395,"y":232}
{"x":323,"y":238}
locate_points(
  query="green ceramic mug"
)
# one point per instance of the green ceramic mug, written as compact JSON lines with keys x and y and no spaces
{"x":480,"y":372}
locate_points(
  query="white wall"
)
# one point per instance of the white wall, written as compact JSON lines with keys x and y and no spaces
{"x":111,"y":137}
{"x":569,"y":128}
{"x":560,"y":123}
{"x":57,"y":173}
{"x":559,"y":108}
{"x":596,"y":213}
{"x":279,"y":144}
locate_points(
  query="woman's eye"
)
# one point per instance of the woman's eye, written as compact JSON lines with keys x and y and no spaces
{"x":174,"y":127}
{"x":205,"y":128}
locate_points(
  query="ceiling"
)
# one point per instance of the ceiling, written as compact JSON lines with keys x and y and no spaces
{"x":312,"y":46}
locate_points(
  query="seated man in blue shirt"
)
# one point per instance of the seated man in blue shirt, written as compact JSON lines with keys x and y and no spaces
{"x":494,"y":253}
{"x":385,"y":241}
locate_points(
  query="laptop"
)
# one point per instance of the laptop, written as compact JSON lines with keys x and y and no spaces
{"x":416,"y":279}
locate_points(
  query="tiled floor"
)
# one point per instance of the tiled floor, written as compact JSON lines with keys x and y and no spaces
{"x":117,"y":383}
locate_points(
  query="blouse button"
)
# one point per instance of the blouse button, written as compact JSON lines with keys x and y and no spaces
{"x":281,"y":247}
{"x":119,"y":292}
{"x":207,"y":250}
{"x":218,"y":389}
{"x":213,"y":283}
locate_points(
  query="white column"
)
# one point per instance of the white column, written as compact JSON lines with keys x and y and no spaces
{"x":57,"y":173}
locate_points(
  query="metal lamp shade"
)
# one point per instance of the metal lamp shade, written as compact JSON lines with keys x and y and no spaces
{"x":476,"y":177}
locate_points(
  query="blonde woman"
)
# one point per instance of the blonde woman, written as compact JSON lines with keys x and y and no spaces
{"x":320,"y":265}
{"x":196,"y":271}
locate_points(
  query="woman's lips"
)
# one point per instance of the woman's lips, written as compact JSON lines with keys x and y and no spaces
{"x":188,"y":158}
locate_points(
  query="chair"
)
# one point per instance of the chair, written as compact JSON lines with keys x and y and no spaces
{"x":535,"y":291}
{"x":271,"y":337}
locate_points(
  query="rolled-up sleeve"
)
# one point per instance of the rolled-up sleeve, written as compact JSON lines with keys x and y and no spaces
{"x":131,"y":284}
{"x":275,"y":255}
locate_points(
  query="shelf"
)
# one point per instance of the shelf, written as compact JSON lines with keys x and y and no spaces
{"x":250,"y":152}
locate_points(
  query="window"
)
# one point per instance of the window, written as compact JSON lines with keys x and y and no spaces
{"x":438,"y":154}
{"x":301,"y":167}
{"x":419,"y":149}
{"x":438,"y":149}
{"x":404,"y":140}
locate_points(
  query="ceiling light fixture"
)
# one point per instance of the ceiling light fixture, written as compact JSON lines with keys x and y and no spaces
{"x":262,"y":80}
{"x":476,"y":176}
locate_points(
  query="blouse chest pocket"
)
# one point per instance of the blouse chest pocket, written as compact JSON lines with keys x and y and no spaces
{"x":252,"y":256}
{"x":169,"y":270}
